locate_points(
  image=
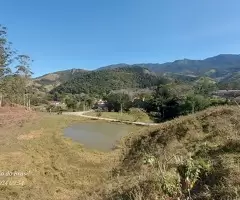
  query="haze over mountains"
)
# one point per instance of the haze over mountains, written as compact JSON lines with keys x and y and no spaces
{"x":223,"y":67}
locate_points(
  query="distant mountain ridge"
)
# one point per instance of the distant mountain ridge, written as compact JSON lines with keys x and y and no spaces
{"x":220,"y":67}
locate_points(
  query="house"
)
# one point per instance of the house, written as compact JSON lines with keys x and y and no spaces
{"x":100,"y":104}
{"x":56,"y":103}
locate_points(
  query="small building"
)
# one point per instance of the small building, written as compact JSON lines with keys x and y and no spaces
{"x":56,"y":103}
{"x":100,"y":104}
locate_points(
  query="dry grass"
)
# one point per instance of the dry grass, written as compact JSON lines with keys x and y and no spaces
{"x":14,"y":116}
{"x":55,"y":167}
{"x":196,"y":156}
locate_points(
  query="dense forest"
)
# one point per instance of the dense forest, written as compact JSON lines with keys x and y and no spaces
{"x":104,"y":81}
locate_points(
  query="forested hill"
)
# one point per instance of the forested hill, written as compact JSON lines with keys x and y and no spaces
{"x":103,"y":81}
{"x":51,"y":80}
{"x":223,"y":68}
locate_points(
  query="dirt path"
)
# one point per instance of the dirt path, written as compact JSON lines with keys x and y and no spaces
{"x":82,"y":114}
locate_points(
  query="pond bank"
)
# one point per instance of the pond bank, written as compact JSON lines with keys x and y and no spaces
{"x":82,"y":114}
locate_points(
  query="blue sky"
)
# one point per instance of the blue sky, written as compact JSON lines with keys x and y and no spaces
{"x":65,"y":34}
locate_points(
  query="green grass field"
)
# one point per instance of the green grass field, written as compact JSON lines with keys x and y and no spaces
{"x":121,"y":116}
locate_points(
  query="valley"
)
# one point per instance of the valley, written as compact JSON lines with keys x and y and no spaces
{"x":143,"y":131}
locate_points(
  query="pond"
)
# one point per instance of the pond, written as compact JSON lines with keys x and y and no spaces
{"x":98,"y":135}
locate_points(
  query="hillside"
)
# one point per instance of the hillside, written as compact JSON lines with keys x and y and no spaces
{"x":232,"y":81}
{"x":51,"y":80}
{"x":103,"y":81}
{"x":196,"y":156}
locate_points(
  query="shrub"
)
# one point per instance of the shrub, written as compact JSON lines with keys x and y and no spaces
{"x":138,"y":114}
{"x":99,"y":112}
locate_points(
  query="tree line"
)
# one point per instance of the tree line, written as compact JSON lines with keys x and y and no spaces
{"x":15,"y":74}
{"x":168,"y":100}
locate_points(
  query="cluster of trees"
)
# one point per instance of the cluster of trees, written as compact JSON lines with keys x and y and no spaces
{"x":74,"y":102}
{"x":15,"y":84}
{"x":167,"y":100}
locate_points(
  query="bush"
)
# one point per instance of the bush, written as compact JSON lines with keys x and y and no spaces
{"x":99,"y":112}
{"x":138,"y":114}
{"x":52,"y":108}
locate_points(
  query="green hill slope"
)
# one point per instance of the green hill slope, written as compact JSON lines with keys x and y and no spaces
{"x":102,"y":81}
{"x":231,"y":82}
{"x":51,"y":80}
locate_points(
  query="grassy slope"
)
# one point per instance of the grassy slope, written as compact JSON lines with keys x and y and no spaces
{"x":148,"y":164}
{"x":59,"y":168}
{"x":200,"y":152}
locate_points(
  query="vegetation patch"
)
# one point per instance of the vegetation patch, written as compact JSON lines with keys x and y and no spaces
{"x":192,"y":157}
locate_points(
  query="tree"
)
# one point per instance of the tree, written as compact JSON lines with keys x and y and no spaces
{"x":195,"y":102}
{"x":23,"y":68}
{"x":89,"y":102}
{"x":6,"y":53}
{"x":6,"y":58}
{"x":161,"y":97}
{"x":165,"y":102}
{"x":23,"y":71}
{"x":14,"y":86}
{"x":71,"y":103}
{"x":118,"y":101}
{"x":56,"y":96}
{"x":205,"y":86}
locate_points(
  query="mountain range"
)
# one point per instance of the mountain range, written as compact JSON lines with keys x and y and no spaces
{"x":223,"y":68}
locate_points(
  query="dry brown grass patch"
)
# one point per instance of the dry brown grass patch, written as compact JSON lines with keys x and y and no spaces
{"x":204,"y":146}
{"x":31,"y":135}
